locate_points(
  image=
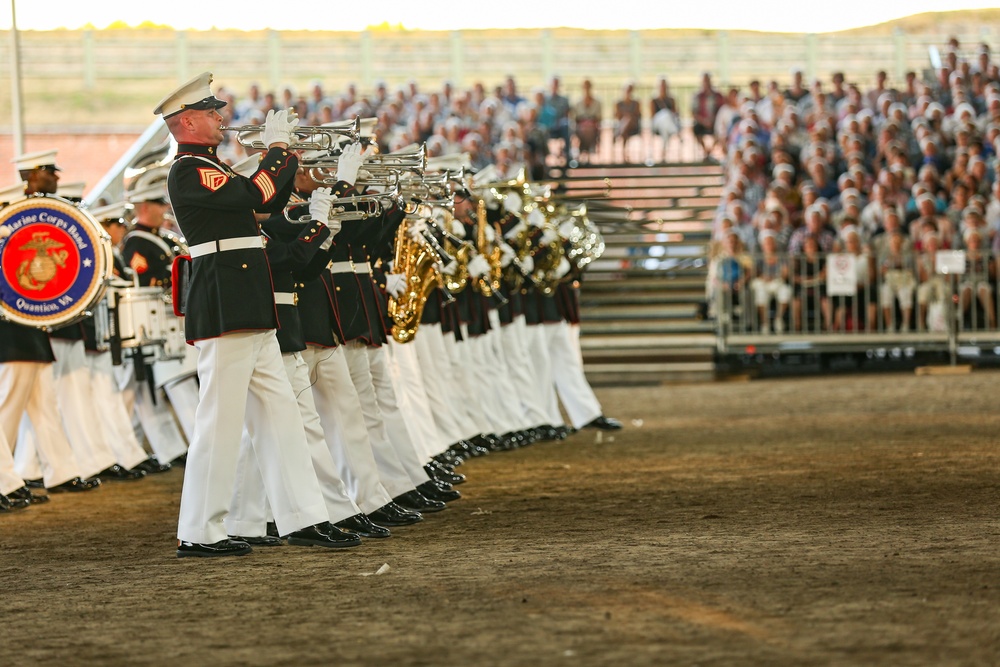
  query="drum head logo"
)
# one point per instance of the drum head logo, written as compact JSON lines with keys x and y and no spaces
{"x":51,"y":262}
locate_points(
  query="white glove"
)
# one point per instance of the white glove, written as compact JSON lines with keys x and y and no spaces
{"x":507,"y":255}
{"x":489,"y":233}
{"x":395,"y":284}
{"x":416,"y":230}
{"x":549,"y":236}
{"x":566,"y":228}
{"x":515,"y":230}
{"x":349,"y":163}
{"x":562,"y":268}
{"x":320,"y":202}
{"x":279,"y":127}
{"x":528,"y":265}
{"x":458,"y":229}
{"x":536,"y":218}
{"x":478,"y":266}
{"x":450,"y":268}
{"x":512,"y":203}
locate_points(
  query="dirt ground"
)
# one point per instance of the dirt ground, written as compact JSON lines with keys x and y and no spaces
{"x":851,"y":520}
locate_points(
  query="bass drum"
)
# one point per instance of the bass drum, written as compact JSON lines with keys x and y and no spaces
{"x":55,"y":262}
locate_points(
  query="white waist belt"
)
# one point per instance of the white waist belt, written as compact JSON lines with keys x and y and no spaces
{"x":347,"y":267}
{"x":286,"y":298}
{"x":222,"y":245}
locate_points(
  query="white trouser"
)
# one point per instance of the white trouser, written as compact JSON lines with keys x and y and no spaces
{"x":29,"y":386}
{"x":503,"y":387}
{"x":538,"y":349}
{"x":179,"y":379}
{"x":396,"y":427}
{"x":243,"y":383}
{"x":526,"y":386}
{"x":343,"y":427}
{"x":391,"y":471}
{"x":9,"y":479}
{"x":408,"y":382}
{"x":116,"y":425}
{"x":249,"y":508}
{"x":436,"y":371}
{"x":468,"y":380}
{"x":575,"y":394}
{"x":76,"y":406}
{"x":156,"y":418}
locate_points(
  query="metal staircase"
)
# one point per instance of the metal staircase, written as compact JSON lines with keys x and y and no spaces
{"x":640,"y":320}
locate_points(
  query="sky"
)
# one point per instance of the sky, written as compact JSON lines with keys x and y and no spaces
{"x":766,"y":15}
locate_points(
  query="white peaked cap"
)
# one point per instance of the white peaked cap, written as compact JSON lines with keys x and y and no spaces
{"x":109,"y":212}
{"x":12,"y":193}
{"x":30,"y":161}
{"x":72,"y":190}
{"x":195,"y":94}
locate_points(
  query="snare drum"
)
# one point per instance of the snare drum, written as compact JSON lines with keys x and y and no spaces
{"x":142,"y":315}
{"x":55,"y":262}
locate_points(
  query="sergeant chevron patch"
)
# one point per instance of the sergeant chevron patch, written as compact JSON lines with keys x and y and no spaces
{"x":265,"y":184}
{"x":213,"y":179}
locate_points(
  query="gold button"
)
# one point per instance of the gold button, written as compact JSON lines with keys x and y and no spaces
{"x":273,"y":169}
{"x":338,"y":289}
{"x":244,"y":266}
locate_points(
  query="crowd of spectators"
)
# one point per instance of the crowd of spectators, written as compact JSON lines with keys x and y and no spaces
{"x":497,"y":125}
{"x":890,"y":174}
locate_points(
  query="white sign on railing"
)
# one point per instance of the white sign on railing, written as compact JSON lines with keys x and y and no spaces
{"x":950,"y":261}
{"x":841,"y":274}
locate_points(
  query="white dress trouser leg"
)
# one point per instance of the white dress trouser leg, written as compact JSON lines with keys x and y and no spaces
{"x":343,"y":427}
{"x":29,"y":386}
{"x":396,"y":427}
{"x":538,"y":349}
{"x":514,"y":337}
{"x":248,"y":510}
{"x":408,"y":380}
{"x":9,"y":479}
{"x":390,"y":470}
{"x":110,"y":411}
{"x":76,"y":405}
{"x":157,"y":419}
{"x":243,"y":382}
{"x":575,"y":393}
{"x":435,"y":369}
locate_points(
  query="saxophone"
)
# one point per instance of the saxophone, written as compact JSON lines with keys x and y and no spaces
{"x":418,"y":265}
{"x":547,"y":257}
{"x":491,"y":283}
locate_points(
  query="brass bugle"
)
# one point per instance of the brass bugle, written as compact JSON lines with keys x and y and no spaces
{"x":309,"y":137}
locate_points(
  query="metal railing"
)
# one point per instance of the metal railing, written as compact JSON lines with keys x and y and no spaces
{"x":847,"y":302}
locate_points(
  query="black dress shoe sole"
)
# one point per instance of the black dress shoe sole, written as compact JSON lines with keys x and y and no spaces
{"x":303,"y":542}
{"x":394,"y":523}
{"x":181,"y":553}
{"x":267,"y":541}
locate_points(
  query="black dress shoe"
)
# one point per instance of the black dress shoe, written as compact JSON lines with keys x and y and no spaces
{"x":153,"y":466}
{"x":265,"y":541}
{"x":442,"y":474}
{"x":433,"y":491}
{"x":180,"y":460}
{"x":272,"y":529}
{"x":34,"y":483}
{"x":547,"y":433}
{"x":392,"y":515}
{"x":120,"y":474}
{"x":24,"y":493}
{"x":414,"y":500}
{"x":218,"y":549}
{"x":76,"y":484}
{"x":10,"y":503}
{"x":363,"y":526}
{"x":605,"y":424}
{"x":323,"y":535}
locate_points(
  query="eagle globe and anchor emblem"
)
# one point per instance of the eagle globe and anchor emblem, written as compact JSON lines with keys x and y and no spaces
{"x":55,"y":262}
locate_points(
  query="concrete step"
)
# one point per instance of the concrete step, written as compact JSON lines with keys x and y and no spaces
{"x":655,"y":326}
{"x":631,"y":312}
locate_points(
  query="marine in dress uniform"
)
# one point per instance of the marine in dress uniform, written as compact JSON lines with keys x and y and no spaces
{"x":232,"y":321}
{"x":27,"y":383}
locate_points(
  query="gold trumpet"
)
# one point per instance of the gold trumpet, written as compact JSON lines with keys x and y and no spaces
{"x":309,"y":137}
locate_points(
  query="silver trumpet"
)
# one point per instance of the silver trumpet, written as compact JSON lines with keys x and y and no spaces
{"x":355,"y":207}
{"x":309,"y":137}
